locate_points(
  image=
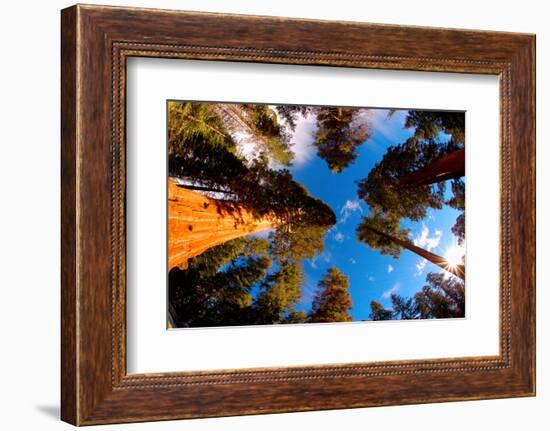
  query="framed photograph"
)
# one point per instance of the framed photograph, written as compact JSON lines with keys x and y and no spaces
{"x":268,"y":215}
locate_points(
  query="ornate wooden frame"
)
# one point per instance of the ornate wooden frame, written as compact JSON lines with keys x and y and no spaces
{"x":95,"y":43}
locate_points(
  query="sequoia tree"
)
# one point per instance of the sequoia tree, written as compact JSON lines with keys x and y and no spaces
{"x":448,"y":167}
{"x":332,"y":300}
{"x":412,"y":178}
{"x":381,"y":189}
{"x":426,"y":150}
{"x":372,"y":231}
{"x":197,"y":223}
{"x":238,"y":195}
{"x":203,"y":155}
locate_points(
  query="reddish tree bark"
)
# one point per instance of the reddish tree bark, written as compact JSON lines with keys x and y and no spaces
{"x":197,"y":223}
{"x":451,"y":166}
{"x":457,"y":270}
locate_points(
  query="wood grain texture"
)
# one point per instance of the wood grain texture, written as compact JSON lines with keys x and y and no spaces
{"x":69,"y":396}
{"x":96,"y":41}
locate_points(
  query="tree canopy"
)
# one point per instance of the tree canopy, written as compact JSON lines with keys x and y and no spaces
{"x":216,"y":287}
{"x":258,"y":126}
{"x":261,"y":278}
{"x":339,"y":131}
{"x":202,"y":155}
{"x":378,"y":312}
{"x":239,"y":283}
{"x":442,"y":297}
{"x":382,"y":191}
{"x":332,"y":301}
{"x":429,"y":124}
{"x":192,"y":123}
{"x":279,"y":292}
{"x":240,"y":155}
{"x":370,"y":226}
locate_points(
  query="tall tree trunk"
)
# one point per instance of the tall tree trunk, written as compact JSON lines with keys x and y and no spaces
{"x":457,"y":270}
{"x":451,"y":166}
{"x":197,"y":223}
{"x":238,"y":121}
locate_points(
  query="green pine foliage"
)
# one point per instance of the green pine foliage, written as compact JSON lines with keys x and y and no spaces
{"x":378,"y":312}
{"x":332,"y":301}
{"x":280,"y":291}
{"x":442,"y":297}
{"x":216,"y":287}
{"x":244,"y":281}
{"x":340,"y":132}
{"x":388,"y":223}
{"x":275,"y":138}
{"x":428,"y":125}
{"x":202,"y":155}
{"x":389,"y":203}
{"x":251,"y":280}
{"x":193,"y":123}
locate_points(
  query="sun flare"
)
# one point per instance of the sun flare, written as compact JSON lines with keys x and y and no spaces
{"x":454,"y":255}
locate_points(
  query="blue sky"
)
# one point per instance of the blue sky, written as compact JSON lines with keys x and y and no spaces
{"x":371,"y":275}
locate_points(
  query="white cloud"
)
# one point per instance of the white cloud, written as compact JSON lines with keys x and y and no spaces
{"x":371,"y":278}
{"x":352,"y":261}
{"x":339,"y":237}
{"x":420,"y":266}
{"x":247,"y":148}
{"x":391,"y":291}
{"x":425,"y":241}
{"x":390,"y":268}
{"x":302,"y":139}
{"x":389,"y":127}
{"x":447,"y":275}
{"x":349,"y":208}
{"x":327,"y":256}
